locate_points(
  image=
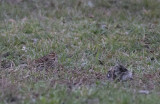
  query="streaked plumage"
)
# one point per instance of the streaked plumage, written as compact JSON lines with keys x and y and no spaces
{"x":46,"y":62}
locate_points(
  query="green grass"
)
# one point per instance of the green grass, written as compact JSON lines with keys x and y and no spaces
{"x":84,"y":38}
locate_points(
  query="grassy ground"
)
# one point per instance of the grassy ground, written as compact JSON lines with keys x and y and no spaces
{"x":89,"y":37}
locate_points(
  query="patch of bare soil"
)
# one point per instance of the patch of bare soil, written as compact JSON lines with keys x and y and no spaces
{"x":9,"y":90}
{"x":147,"y":81}
{"x":69,"y":77}
{"x":77,"y":77}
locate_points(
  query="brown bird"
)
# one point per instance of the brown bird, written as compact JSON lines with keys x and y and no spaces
{"x":46,"y":62}
{"x":119,"y":73}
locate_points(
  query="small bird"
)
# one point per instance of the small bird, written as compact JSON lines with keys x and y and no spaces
{"x":119,"y":73}
{"x":46,"y":62}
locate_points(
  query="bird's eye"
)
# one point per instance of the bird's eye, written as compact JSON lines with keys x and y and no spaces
{"x":109,"y":75}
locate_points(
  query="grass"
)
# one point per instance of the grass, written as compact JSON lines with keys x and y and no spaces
{"x":85,"y":37}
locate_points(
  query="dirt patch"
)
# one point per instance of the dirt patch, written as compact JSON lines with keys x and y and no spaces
{"x":146,"y":81}
{"x":77,"y":77}
{"x":149,"y":80}
{"x":9,"y":90}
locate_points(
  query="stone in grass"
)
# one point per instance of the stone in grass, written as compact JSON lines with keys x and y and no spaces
{"x":119,"y":73}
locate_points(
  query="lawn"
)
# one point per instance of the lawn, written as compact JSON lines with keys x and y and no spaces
{"x":89,"y":37}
